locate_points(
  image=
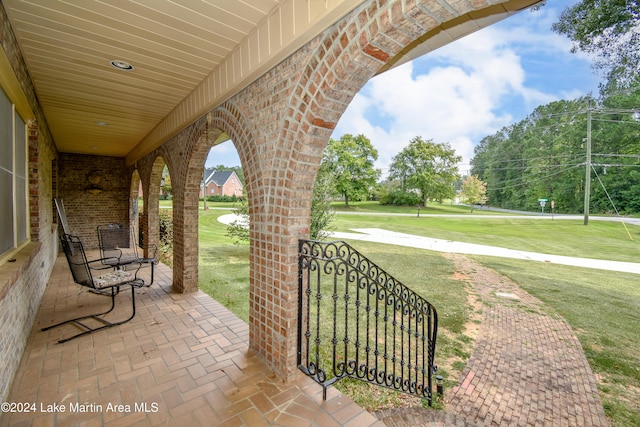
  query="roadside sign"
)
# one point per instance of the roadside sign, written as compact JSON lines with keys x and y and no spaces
{"x":543,"y":203}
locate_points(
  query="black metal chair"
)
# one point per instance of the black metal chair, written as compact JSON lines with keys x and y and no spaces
{"x":119,"y":250}
{"x":110,"y":280}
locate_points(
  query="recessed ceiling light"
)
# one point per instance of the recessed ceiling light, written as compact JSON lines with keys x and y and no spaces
{"x":102,"y":123}
{"x":121,"y":65}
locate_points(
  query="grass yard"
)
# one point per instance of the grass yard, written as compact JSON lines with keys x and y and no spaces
{"x":224,"y":274}
{"x":224,"y":266}
{"x":602,"y":307}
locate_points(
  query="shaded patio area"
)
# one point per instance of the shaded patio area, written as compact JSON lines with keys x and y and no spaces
{"x":183,"y":361}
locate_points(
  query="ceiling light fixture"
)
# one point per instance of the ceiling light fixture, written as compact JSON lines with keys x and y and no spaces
{"x":121,"y":65}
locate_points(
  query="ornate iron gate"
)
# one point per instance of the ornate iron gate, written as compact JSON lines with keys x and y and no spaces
{"x":355,"y":320}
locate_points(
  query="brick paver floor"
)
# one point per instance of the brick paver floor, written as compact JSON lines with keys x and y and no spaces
{"x":527,"y":367}
{"x":185,"y":360}
{"x":182,"y":361}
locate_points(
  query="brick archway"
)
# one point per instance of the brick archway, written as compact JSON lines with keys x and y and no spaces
{"x":280,"y":125}
{"x":290,"y":113}
{"x":150,"y":173}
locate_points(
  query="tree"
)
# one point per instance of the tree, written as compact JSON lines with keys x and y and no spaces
{"x":427,"y":167}
{"x":165,"y":183}
{"x":609,"y":29}
{"x":543,"y":156}
{"x":321,"y":213}
{"x":238,"y":229}
{"x":474,"y":190}
{"x":350,"y":161}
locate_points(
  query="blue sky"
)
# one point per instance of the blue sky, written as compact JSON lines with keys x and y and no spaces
{"x":466,"y":90}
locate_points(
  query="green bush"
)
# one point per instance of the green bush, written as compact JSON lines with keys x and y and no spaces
{"x":165,"y":248}
{"x":226,"y":199}
{"x":399,"y":198}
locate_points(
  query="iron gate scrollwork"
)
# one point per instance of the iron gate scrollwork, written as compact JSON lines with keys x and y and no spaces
{"x":357,"y":321}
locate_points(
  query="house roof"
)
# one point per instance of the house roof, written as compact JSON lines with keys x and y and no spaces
{"x":219,"y":178}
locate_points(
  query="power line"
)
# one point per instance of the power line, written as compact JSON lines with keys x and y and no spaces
{"x":628,"y":122}
{"x":526,"y":159}
{"x":529,"y":180}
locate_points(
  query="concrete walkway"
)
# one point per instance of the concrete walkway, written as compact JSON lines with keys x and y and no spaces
{"x":394,"y":238}
{"x":379,"y":235}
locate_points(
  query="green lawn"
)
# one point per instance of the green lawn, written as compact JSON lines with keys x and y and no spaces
{"x":602,"y":307}
{"x":224,"y":266}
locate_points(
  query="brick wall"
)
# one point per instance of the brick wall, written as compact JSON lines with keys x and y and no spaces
{"x":22,"y":283}
{"x":95,"y":191}
{"x":281,"y":124}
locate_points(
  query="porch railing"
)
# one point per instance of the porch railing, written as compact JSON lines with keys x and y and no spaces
{"x":357,"y":321}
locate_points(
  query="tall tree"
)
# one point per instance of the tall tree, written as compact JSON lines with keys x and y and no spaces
{"x":544,"y":156}
{"x":608,"y":29}
{"x":427,"y":167}
{"x":322,"y":215}
{"x":351,"y":162}
{"x":474,"y":190}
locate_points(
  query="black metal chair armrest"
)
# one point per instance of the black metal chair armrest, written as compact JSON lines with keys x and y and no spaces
{"x":106,"y":263}
{"x":152,"y":250}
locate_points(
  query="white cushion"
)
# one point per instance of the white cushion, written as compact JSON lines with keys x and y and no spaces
{"x":113,"y":278}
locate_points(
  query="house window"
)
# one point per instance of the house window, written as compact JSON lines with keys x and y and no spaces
{"x":14,"y":212}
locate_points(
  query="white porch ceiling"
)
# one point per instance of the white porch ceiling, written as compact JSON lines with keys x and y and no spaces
{"x":188,"y":56}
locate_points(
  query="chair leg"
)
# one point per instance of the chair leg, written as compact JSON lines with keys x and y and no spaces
{"x":152,"y":273}
{"x":106,"y":324}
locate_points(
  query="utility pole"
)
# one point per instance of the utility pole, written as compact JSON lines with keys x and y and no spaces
{"x":587,"y":179}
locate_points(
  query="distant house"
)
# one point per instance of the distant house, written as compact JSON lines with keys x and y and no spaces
{"x":220,"y":183}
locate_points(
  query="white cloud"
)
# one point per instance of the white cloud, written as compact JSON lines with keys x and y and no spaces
{"x":460,"y":92}
{"x":454,"y":103}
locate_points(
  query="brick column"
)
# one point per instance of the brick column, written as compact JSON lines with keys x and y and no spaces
{"x":287,"y":117}
{"x":185,"y":155}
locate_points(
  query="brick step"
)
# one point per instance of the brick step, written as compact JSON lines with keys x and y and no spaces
{"x":420,"y":417}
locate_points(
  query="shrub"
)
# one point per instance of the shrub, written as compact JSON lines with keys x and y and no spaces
{"x":399,"y":198}
{"x":226,"y":199}
{"x":165,"y":247}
